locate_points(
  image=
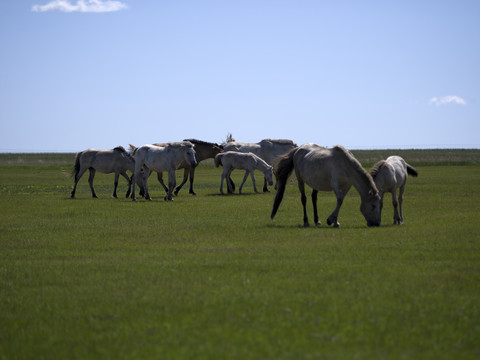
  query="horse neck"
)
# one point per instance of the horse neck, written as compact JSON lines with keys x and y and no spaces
{"x":203,"y":152}
{"x":360,"y":179}
{"x":262,"y":166}
{"x":130,"y":161}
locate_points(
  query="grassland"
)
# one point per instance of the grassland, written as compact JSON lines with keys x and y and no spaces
{"x":212,"y":277}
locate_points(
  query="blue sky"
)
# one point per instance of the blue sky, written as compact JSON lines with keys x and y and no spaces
{"x":363,"y":74}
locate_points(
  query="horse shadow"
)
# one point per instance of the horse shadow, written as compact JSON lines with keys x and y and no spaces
{"x":237,"y":194}
{"x":323,"y":227}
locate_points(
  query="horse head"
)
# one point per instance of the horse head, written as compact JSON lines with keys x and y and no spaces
{"x":371,"y":208}
{"x":269,"y":175}
{"x":189,"y":154}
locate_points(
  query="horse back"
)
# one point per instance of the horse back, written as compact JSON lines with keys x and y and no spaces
{"x":314,"y":166}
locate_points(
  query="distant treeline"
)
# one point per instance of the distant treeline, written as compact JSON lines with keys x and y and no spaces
{"x":366,"y":157}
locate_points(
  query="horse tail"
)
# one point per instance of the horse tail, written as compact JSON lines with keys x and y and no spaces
{"x":76,"y":166}
{"x":218,"y":160}
{"x":412,"y":171}
{"x":284,"y":168}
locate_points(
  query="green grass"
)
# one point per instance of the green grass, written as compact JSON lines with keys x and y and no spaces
{"x":212,"y":277}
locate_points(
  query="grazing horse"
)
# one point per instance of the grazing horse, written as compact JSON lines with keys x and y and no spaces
{"x":231,"y":160}
{"x":117,"y":160}
{"x":390,"y":175}
{"x":150,"y":158}
{"x":326,"y":170}
{"x":269,"y":150}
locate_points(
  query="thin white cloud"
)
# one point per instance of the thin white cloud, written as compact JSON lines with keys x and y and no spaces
{"x":84,"y":6}
{"x":451,"y":99}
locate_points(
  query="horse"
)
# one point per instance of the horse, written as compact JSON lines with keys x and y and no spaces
{"x":203,"y":150}
{"x":267,"y":149}
{"x":150,"y":158}
{"x":117,"y":160}
{"x":326,"y":169}
{"x":231,"y":160}
{"x":391,"y":175}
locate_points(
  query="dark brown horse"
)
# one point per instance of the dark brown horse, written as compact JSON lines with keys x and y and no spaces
{"x":203,"y":150}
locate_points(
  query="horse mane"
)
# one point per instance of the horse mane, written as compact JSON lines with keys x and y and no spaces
{"x":200,"y":142}
{"x":120,"y":149}
{"x":124,"y":152}
{"x":355,"y":163}
{"x":178,"y":144}
{"x":280,"y":141}
{"x":376,"y":168}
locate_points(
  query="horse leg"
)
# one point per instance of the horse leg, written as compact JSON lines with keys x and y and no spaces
{"x":115,"y":184}
{"x":400,"y":203}
{"x":140,"y":178}
{"x":252,"y":175}
{"x":137,"y":174}
{"x":171,"y":184}
{"x":221,"y":183}
{"x":90,"y":181}
{"x":185,"y":178}
{"x":243,"y":182}
{"x":333,"y":218}
{"x":301,"y":187}
{"x":192,"y":176}
{"x":231,"y":185}
{"x":129,"y":181}
{"x":265,"y":188}
{"x":77,"y":179}
{"x":146,"y":174}
{"x":160,"y":179}
{"x":315,"y":212}
{"x":396,"y":217}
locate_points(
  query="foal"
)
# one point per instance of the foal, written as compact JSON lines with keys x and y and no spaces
{"x":390,"y":175}
{"x":231,"y":160}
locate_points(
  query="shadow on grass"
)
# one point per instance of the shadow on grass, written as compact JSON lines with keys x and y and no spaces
{"x":237,"y":194}
{"x":274,"y":225}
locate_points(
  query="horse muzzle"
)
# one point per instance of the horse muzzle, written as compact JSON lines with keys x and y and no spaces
{"x":373,"y":223}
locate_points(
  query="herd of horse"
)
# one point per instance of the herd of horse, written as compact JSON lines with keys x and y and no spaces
{"x":323,"y":169}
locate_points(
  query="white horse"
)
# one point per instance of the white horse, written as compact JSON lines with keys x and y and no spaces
{"x":116,"y":160}
{"x":203,"y":150}
{"x":162,"y":158}
{"x":269,"y":150}
{"x":231,"y":160}
{"x":391,"y":175}
{"x":326,"y":170}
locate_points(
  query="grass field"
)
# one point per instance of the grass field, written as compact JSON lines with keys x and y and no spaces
{"x":212,"y":277}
